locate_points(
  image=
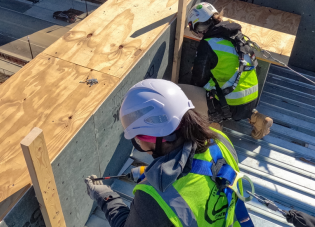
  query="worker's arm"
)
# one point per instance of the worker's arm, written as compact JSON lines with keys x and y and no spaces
{"x":144,"y":210}
{"x":205,"y":60}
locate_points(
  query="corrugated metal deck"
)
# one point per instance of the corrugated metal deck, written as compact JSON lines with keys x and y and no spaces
{"x":282,"y":164}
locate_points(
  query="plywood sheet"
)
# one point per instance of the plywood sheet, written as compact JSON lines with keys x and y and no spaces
{"x":46,"y":93}
{"x":115,"y":35}
{"x":272,"y":29}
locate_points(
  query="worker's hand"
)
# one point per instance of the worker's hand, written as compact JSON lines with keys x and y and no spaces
{"x":97,"y":191}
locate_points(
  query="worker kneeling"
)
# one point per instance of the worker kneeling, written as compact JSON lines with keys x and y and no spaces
{"x":225,"y":65}
{"x":194,"y":179}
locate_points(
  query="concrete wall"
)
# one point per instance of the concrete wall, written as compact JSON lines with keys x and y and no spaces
{"x":98,"y":148}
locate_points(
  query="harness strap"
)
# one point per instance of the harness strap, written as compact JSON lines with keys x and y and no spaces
{"x":224,"y":106}
{"x":223,"y":175}
{"x":242,"y":47}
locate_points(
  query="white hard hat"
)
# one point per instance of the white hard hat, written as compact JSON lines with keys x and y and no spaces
{"x":153,"y":107}
{"x":199,"y":15}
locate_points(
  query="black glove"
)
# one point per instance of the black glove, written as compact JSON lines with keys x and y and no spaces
{"x":300,"y":219}
{"x":99,"y":192}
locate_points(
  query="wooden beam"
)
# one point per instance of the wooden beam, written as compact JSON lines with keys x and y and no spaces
{"x":37,"y":160}
{"x":180,"y":26}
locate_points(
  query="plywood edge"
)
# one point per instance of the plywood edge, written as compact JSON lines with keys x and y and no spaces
{"x":100,"y":101}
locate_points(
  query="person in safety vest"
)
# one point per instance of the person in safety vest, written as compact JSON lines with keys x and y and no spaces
{"x":225,"y":66}
{"x":187,"y":183}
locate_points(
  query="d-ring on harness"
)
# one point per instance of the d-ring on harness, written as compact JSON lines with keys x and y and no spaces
{"x":226,"y":179}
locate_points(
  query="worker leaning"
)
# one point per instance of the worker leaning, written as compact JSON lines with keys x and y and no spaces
{"x":225,"y":66}
{"x":194,"y":178}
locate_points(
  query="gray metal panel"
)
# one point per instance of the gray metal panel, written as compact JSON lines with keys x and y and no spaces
{"x":303,"y":54}
{"x":26,"y":212}
{"x":188,"y":55}
{"x":99,"y":147}
{"x":78,"y":160}
{"x":113,"y":148}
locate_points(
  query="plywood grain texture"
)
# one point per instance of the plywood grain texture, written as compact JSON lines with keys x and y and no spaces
{"x":106,"y":41}
{"x":272,"y":29}
{"x":38,"y":163}
{"x":303,"y":53}
{"x":45,"y":93}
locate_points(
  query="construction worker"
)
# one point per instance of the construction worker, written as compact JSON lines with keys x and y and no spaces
{"x":186,"y":184}
{"x":225,"y":66}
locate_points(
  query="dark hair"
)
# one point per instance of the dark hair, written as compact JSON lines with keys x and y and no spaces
{"x":195,"y":127}
{"x":217,"y":17}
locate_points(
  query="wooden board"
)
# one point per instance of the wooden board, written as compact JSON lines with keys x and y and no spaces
{"x":38,"y":163}
{"x":45,"y":93}
{"x":113,"y":37}
{"x":180,"y":26}
{"x":272,"y":29}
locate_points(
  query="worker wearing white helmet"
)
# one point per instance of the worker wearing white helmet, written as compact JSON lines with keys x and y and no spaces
{"x":225,"y":65}
{"x":187,"y":183}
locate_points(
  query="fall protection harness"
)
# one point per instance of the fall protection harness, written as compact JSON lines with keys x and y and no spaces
{"x":242,"y":47}
{"x":226,"y":180}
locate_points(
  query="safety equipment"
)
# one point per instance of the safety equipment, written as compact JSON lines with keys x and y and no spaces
{"x":261,"y":125}
{"x":268,"y":55}
{"x":200,"y":17}
{"x":210,"y":176}
{"x":234,"y":80}
{"x":153,"y":107}
{"x":298,"y":218}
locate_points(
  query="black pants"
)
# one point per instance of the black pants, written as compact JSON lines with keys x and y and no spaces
{"x":238,"y":112}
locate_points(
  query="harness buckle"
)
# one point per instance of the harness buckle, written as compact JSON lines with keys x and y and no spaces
{"x":234,"y":187}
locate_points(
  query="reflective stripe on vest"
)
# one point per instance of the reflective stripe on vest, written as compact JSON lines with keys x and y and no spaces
{"x":182,"y":212}
{"x":226,"y":72}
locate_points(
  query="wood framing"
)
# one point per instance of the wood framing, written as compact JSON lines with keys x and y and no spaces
{"x":273,"y":30}
{"x":117,"y":41}
{"x":180,"y":26}
{"x":47,"y":92}
{"x":38,"y":163}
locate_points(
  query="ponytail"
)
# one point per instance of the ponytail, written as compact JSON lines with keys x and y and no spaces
{"x":217,"y":17}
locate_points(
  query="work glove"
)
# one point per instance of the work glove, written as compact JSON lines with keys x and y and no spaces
{"x":99,"y":192}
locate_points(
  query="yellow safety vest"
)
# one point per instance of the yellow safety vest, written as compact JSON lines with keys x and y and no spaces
{"x":226,"y":71}
{"x":193,"y":200}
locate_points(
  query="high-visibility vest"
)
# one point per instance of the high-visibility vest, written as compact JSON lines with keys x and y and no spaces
{"x":193,"y":200}
{"x":226,"y":71}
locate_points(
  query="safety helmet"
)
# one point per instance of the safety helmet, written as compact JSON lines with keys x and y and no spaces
{"x":153,"y":107}
{"x":200,"y":17}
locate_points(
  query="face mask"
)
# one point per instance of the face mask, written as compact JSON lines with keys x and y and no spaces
{"x":158,"y":149}
{"x":138,"y":147}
